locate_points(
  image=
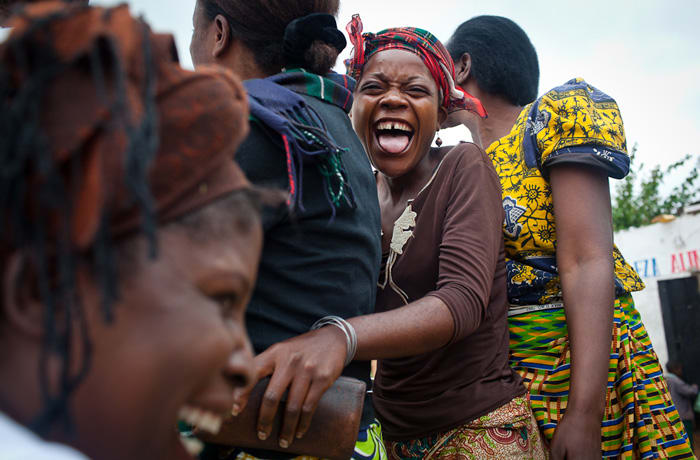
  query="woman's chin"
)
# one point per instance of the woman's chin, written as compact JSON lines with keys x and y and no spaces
{"x":395,"y":165}
{"x":392,"y":171}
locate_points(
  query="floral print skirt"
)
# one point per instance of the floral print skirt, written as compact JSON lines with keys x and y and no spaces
{"x":507,"y":432}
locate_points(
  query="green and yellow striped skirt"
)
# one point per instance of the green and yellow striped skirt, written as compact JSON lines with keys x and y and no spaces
{"x":640,"y":419}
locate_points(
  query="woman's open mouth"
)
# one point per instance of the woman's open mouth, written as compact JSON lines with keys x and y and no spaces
{"x":199,"y":419}
{"x":393,"y":136}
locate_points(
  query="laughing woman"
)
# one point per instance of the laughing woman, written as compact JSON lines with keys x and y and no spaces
{"x":442,"y":285}
{"x":129,"y":243}
{"x":443,"y":388}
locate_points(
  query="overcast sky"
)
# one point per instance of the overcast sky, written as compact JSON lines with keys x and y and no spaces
{"x":644,"y":53}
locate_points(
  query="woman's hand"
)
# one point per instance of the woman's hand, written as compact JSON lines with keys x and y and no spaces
{"x":577,"y":437}
{"x":306,"y":365}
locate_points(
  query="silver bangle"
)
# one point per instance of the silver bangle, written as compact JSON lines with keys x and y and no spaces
{"x":348,"y":330}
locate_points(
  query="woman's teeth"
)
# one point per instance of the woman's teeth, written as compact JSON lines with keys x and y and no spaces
{"x":193,"y":446}
{"x":397,"y":125}
{"x":200,"y":418}
{"x":393,"y":136}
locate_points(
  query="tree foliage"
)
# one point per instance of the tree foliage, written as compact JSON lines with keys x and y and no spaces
{"x":639,"y":197}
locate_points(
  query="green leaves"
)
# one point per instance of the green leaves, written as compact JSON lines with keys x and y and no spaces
{"x":639,"y":197}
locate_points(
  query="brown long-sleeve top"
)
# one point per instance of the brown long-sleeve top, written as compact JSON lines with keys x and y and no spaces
{"x":448,"y":244}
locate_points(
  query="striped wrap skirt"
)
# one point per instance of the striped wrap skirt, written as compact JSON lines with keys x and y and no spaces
{"x":640,"y":419}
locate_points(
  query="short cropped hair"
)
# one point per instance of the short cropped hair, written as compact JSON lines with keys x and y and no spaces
{"x":504,"y":62}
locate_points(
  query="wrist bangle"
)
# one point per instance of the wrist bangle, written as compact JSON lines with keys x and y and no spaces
{"x":348,"y":330}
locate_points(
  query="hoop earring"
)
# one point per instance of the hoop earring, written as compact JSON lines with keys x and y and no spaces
{"x":438,"y":140}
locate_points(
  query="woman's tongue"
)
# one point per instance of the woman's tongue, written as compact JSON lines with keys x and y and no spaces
{"x":393,"y":142}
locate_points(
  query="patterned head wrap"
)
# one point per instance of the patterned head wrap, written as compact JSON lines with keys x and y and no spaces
{"x":420,"y":42}
{"x":102,"y":134}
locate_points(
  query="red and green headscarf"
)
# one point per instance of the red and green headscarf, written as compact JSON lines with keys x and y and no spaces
{"x":420,"y":42}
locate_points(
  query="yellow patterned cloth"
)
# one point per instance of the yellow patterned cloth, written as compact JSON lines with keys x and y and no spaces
{"x":572,"y":123}
{"x":575,"y":123}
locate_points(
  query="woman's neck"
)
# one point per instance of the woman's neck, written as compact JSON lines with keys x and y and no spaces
{"x":407,"y":186}
{"x":241,"y":60}
{"x":501,"y":118}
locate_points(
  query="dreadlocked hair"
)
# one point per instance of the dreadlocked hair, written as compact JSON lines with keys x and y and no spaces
{"x":25,"y":152}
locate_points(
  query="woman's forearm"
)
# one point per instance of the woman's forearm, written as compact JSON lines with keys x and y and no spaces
{"x":588,"y":303}
{"x":419,"y":327}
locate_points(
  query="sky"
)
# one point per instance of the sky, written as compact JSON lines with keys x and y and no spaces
{"x":643,"y":53}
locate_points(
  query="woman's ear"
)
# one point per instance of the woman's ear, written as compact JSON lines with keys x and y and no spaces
{"x":463,"y":68}
{"x":21,"y":307}
{"x":223,"y":36}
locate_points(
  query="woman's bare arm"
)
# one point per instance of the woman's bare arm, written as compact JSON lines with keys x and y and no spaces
{"x":584,"y":258}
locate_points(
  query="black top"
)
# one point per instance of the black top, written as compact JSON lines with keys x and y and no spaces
{"x":313,"y":266}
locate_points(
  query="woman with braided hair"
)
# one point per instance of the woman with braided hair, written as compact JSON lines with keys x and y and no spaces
{"x":321,"y":251}
{"x":129,"y":243}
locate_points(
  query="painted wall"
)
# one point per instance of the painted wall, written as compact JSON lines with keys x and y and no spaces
{"x":658,"y":252}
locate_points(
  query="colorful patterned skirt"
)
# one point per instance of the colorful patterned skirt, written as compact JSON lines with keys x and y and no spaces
{"x":640,"y":419}
{"x":507,"y":432}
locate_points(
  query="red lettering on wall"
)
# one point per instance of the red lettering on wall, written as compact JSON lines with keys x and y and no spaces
{"x":680,"y":256}
{"x":675,"y":265}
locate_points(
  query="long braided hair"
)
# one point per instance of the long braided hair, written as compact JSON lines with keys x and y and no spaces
{"x":38,"y":186}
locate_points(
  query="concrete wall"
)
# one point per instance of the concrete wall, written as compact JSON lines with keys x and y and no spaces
{"x":659,"y":252}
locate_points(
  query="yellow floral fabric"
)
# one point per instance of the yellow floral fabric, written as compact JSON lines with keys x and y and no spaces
{"x":573,"y":123}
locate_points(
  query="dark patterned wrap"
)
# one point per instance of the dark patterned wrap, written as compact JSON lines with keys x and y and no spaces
{"x":276,"y":103}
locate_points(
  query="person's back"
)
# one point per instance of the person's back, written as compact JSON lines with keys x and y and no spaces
{"x":322,"y":251}
{"x":576,"y":337}
{"x":316,"y":262}
{"x":683,"y":395}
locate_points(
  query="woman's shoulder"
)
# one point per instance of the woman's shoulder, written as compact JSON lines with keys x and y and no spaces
{"x":582,"y":110}
{"x":463,"y":167}
{"x":576,"y":123}
{"x":465,"y":156}
{"x":577,"y":87}
{"x":464,"y":153}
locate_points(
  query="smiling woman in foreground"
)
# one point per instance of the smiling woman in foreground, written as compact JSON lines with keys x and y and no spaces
{"x":130,"y":240}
